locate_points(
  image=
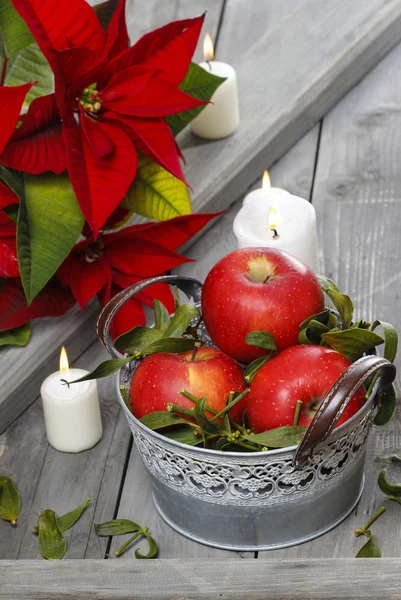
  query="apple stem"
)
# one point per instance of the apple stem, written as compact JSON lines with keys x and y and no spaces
{"x":298,"y":408}
{"x":363,"y":530}
{"x":230,"y":404}
{"x":182,"y":410}
{"x":196,"y":348}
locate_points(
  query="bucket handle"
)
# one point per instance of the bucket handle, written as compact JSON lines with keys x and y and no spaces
{"x":339,"y":397}
{"x":332,"y":406}
{"x":190,"y":286}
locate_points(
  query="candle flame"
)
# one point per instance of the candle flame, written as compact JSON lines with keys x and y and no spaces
{"x":266,"y":183}
{"x":208,"y":51}
{"x":272,"y":219}
{"x":64,"y":366}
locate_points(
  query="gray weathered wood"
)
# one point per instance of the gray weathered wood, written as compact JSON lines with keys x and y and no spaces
{"x":22,"y":370}
{"x":375,"y":579}
{"x":287,"y":81}
{"x":357,"y":199}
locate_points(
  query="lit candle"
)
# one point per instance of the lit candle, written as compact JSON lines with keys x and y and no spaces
{"x":272,"y":217}
{"x":221,"y":118}
{"x":72,"y":413}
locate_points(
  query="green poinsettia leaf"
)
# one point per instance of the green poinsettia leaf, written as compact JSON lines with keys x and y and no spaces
{"x":352,"y":343}
{"x":312,"y":333}
{"x":156,"y":194}
{"x":370,"y":549}
{"x":105,"y":10}
{"x":387,"y":404}
{"x":390,"y":489}
{"x":49,"y":224}
{"x":153,"y":549}
{"x":138,"y":339}
{"x":200,"y":84}
{"x":255,"y":366}
{"x":16,"y":337}
{"x":161,"y":418}
{"x":20,"y":56}
{"x":281,"y":437}
{"x":116,"y":527}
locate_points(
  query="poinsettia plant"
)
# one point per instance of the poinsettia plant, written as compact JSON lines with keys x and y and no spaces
{"x":87,"y":139}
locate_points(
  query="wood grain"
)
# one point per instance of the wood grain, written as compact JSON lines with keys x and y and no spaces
{"x":357,"y":196}
{"x":375,"y":579}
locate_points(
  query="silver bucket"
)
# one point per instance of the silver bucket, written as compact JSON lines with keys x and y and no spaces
{"x":257,"y":500}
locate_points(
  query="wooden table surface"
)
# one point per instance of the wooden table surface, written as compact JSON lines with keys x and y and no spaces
{"x":349,"y":167}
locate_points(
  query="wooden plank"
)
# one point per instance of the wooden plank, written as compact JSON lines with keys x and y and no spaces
{"x":23,"y":369}
{"x":202,"y":580}
{"x":357,"y":197}
{"x":301,"y":160}
{"x":287,"y":81}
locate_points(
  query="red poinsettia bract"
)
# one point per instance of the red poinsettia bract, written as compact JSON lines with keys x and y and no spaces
{"x":117,"y":260}
{"x":112,"y":99}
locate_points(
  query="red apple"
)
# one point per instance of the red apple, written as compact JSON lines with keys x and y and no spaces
{"x":304,"y":373}
{"x":258,"y":289}
{"x":160,"y":377}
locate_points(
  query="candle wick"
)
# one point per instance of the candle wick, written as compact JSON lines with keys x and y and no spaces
{"x":209,"y":65}
{"x":65,"y":382}
{"x":275,"y":234}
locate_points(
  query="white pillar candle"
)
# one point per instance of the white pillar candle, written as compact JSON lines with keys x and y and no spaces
{"x":221,"y":118}
{"x":272,"y":217}
{"x":72,"y":413}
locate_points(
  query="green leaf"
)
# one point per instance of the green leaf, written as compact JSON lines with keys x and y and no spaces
{"x":51,"y":540}
{"x":344,"y":305}
{"x":281,"y":437}
{"x":183,"y":434}
{"x":261,"y":339}
{"x":390,"y":339}
{"x":369,"y":550}
{"x":352,"y":343}
{"x":312,"y":333}
{"x":153,"y":549}
{"x":390,"y":489}
{"x":162,"y":318}
{"x":10,"y":501}
{"x":326,"y":317}
{"x":24,"y":60}
{"x":135,"y":341}
{"x":161,"y":418}
{"x":105,"y":10}
{"x":105,"y":368}
{"x":65,"y":522}
{"x":202,"y":420}
{"x":326,"y":283}
{"x":13,"y":179}
{"x":255,"y":366}
{"x":200,"y":84}
{"x":116,"y":527}
{"x":181,"y":319}
{"x":49,"y":224}
{"x":171,"y":345}
{"x":156,"y":194}
{"x":387,"y":404}
{"x":19,"y":336}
